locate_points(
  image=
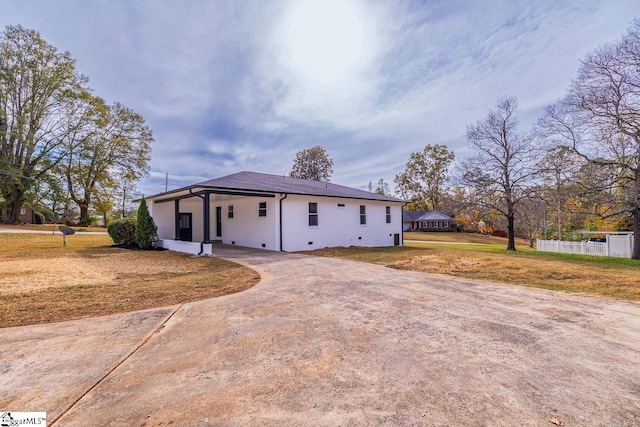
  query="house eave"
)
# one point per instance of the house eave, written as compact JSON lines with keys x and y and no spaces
{"x":188,"y":192}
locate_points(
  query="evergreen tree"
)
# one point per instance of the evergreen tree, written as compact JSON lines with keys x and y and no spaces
{"x":146,"y":229}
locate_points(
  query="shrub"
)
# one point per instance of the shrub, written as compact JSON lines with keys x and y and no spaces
{"x":122,"y":231}
{"x":500,"y":233}
{"x":146,"y":230}
{"x":49,"y":215}
{"x":88,"y":221}
{"x":39,"y":218}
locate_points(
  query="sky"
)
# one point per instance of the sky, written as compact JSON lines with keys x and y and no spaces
{"x":228,"y":86}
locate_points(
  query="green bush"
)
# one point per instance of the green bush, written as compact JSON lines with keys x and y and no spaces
{"x":49,"y":215}
{"x":122,"y":231}
{"x":146,"y":230}
{"x":88,"y":221}
{"x":39,"y":218}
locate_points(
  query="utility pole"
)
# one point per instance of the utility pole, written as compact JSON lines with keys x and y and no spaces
{"x":544,"y":221}
{"x":124,"y":196}
{"x":166,"y":181}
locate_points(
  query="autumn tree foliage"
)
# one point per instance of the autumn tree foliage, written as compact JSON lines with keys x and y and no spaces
{"x":599,"y":120}
{"x":313,"y":163}
{"x":424,"y":179}
{"x":40,"y":110}
{"x":56,"y":136}
{"x":117,"y":143}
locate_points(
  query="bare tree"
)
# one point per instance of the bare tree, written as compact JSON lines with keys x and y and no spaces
{"x":600,"y":120}
{"x":558,"y":170}
{"x":501,"y":171}
{"x":530,"y":214}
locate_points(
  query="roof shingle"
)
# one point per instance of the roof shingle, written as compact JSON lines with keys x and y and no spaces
{"x":254,"y":181}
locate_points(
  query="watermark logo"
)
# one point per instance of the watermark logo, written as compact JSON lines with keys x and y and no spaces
{"x":21,"y":419}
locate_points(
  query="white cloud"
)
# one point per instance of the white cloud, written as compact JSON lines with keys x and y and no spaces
{"x":229,"y":86}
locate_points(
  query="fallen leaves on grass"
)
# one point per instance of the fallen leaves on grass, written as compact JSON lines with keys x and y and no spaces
{"x":435,"y":264}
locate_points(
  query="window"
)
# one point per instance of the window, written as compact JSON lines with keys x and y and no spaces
{"x":23,"y":211}
{"x":230,"y":211}
{"x":313,"y":214}
{"x":424,"y":224}
{"x":262,"y":209}
{"x":363,"y":215}
{"x":445,"y":224}
{"x":388,"y":208}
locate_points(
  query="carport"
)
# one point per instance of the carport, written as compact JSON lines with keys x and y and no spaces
{"x":183,"y":232}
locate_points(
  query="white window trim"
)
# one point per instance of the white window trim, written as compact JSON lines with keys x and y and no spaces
{"x":266,"y":210}
{"x":310,"y":214}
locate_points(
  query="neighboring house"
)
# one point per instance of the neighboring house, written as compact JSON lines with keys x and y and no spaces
{"x":425,"y":220}
{"x":274,"y":212}
{"x":27,"y":215}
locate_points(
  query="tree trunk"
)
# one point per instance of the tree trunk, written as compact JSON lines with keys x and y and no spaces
{"x":511,"y":245}
{"x":15,"y":205}
{"x":15,"y":201}
{"x":636,"y":234}
{"x":84,"y":213}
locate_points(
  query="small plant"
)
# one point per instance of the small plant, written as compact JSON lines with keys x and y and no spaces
{"x":122,"y":231}
{"x":146,"y":230}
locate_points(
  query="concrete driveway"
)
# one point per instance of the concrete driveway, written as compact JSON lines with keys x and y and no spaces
{"x":330,"y":342}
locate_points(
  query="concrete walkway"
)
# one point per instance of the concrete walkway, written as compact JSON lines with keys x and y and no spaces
{"x":331,"y":342}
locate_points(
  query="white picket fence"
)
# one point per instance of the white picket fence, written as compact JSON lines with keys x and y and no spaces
{"x":615,"y":246}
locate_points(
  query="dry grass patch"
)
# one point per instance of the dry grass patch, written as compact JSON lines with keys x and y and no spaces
{"x":451,"y":237}
{"x":48,"y":227}
{"x":606,"y":277}
{"x":42,"y":281}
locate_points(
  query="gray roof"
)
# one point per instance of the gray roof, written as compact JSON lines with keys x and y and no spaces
{"x":408,"y":216}
{"x":262,"y":182}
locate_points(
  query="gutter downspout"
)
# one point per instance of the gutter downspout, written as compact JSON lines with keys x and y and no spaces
{"x":401,"y":222}
{"x":201,"y":243}
{"x":281,"y":199}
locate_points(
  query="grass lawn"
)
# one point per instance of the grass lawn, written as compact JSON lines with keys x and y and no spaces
{"x":599,"y":276}
{"x":41,"y":281}
{"x":457,"y":238}
{"x":47,"y":227}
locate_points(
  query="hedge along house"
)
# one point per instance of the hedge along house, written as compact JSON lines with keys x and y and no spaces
{"x":274,"y":212}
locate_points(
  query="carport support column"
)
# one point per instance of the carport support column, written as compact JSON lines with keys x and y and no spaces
{"x":207,"y":217}
{"x":176,"y":209}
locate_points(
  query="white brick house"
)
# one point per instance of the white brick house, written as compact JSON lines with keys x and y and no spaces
{"x":274,"y":212}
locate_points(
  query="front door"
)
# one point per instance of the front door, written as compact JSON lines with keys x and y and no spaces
{"x":219,"y":221}
{"x":186,"y":230}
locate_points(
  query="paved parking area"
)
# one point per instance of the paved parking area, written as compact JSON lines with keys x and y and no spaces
{"x":331,"y":342}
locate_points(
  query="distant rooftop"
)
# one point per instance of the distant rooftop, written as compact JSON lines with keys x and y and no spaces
{"x":425,"y":216}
